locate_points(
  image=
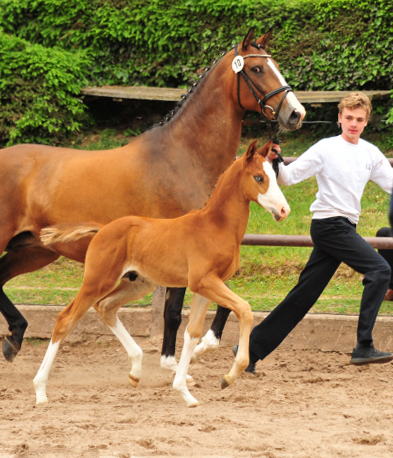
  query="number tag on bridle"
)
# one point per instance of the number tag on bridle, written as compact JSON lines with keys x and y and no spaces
{"x":238,"y":64}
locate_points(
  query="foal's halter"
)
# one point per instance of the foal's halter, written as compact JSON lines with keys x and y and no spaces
{"x":251,"y":84}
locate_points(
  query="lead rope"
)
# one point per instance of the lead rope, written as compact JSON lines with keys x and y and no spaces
{"x":279,"y":159}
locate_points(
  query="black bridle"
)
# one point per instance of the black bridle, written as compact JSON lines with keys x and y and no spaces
{"x":251,"y":84}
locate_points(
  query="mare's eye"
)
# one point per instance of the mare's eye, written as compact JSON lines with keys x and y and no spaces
{"x":259,"y":179}
{"x":257,"y":69}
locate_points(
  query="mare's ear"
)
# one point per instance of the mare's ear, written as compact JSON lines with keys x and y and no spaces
{"x":248,"y":39}
{"x":264,"y":40}
{"x":265,"y":149}
{"x":252,"y":149}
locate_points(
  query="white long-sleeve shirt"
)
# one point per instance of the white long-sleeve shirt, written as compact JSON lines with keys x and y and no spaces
{"x":342,"y":171}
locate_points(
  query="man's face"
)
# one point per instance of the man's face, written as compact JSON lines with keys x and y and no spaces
{"x":353,"y":123}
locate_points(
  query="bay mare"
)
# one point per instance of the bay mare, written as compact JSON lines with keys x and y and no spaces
{"x":163,"y":173}
{"x":127,"y":258}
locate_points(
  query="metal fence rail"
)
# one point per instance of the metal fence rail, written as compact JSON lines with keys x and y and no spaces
{"x":384,"y":243}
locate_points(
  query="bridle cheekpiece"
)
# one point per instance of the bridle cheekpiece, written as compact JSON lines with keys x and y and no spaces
{"x":238,"y":68}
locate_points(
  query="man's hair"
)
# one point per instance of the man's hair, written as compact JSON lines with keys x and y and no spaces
{"x":355,"y":100}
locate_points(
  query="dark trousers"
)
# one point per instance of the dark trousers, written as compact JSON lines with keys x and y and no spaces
{"x":335,"y":241}
{"x":391,"y":210}
{"x":387,"y":254}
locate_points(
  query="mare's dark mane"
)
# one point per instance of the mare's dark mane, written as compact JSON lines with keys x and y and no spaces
{"x":191,"y":91}
{"x":194,"y":88}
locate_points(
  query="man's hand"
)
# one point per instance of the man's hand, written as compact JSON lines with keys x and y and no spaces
{"x":273,"y":153}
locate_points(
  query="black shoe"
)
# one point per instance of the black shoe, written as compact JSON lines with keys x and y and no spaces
{"x":368,"y":354}
{"x":251,"y":367}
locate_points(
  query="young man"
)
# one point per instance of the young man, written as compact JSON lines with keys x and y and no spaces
{"x":342,"y":165}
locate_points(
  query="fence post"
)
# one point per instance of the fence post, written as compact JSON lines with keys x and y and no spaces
{"x":157,"y":312}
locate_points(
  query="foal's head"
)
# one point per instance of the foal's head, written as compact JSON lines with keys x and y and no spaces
{"x":260,"y":184}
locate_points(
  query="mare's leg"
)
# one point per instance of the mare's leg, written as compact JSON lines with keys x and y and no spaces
{"x":125,"y":292}
{"x":172,"y":319}
{"x":192,"y":333}
{"x":213,"y":288}
{"x":212,"y":338}
{"x":13,"y":264}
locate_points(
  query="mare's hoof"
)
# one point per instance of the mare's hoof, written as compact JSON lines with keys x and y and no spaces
{"x":224,"y":382}
{"x":133,"y":380}
{"x":10,"y":348}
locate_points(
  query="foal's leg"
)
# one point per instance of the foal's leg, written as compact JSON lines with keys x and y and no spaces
{"x":101,"y":277}
{"x":213,"y":288}
{"x":125,"y":292}
{"x":66,"y":320}
{"x":192,"y":333}
{"x":212,"y":338}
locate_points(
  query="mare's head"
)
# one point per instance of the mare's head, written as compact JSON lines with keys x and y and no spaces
{"x":259,"y":86}
{"x":259,"y":181}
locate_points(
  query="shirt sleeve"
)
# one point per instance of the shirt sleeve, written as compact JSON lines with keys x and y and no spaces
{"x":307,"y":165}
{"x":382,"y":173}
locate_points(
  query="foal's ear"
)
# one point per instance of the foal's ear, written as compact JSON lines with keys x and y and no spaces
{"x":264,"y":40}
{"x":252,"y":149}
{"x":248,"y":39}
{"x":265,"y":149}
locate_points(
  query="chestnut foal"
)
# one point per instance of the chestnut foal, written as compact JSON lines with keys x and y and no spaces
{"x":124,"y":262}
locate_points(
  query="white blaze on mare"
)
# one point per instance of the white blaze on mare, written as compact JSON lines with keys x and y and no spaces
{"x":291,"y":98}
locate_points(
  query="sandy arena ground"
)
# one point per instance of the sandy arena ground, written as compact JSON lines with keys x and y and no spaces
{"x":301,"y":404}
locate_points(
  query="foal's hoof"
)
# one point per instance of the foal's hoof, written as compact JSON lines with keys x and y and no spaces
{"x":224,"y":382}
{"x":190,"y":380}
{"x":41,"y":402}
{"x":10,"y":348}
{"x":133,"y":380}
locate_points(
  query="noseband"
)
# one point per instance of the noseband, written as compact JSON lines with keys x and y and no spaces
{"x":238,"y":67}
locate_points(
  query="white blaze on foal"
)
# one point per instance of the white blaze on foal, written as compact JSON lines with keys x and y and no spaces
{"x":273,"y":200}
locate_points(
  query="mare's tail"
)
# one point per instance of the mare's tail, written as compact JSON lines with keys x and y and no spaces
{"x":65,"y":233}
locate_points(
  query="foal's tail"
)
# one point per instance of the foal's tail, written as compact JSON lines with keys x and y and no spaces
{"x":65,"y":233}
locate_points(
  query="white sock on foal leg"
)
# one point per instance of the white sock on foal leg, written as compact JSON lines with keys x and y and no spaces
{"x":41,"y":378}
{"x":179,"y":384}
{"x":133,"y":350}
{"x":209,"y":343}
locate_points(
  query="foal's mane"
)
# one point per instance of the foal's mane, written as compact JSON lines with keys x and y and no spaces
{"x":232,"y":169}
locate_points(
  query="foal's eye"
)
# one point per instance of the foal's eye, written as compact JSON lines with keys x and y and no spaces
{"x":257,"y":69}
{"x":259,"y":179}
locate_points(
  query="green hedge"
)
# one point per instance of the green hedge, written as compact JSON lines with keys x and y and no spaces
{"x":324,"y":45}
{"x":39,"y":91}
